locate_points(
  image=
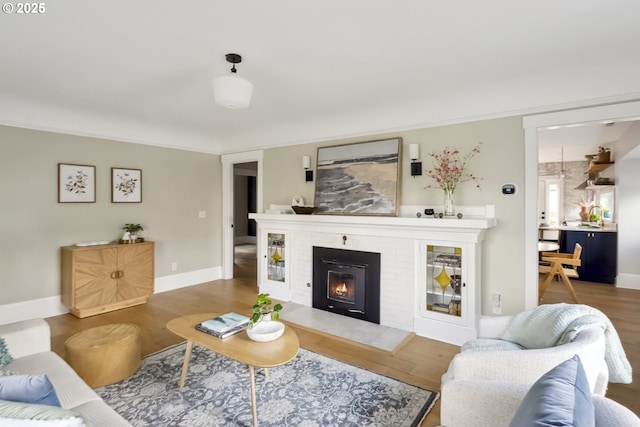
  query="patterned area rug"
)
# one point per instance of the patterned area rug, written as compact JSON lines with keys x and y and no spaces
{"x":310,"y":391}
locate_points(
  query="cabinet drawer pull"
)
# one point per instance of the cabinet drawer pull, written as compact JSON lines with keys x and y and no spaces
{"x":114,"y":274}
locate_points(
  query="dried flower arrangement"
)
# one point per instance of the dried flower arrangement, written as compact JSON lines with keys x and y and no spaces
{"x":449,"y":168}
{"x":584,"y":203}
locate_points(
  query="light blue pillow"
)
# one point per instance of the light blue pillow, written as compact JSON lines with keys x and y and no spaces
{"x":561,"y":397}
{"x":5,"y":357}
{"x":28,"y":389}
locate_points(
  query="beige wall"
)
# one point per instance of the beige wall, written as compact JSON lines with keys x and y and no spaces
{"x":176,"y":186}
{"x":500,"y":161}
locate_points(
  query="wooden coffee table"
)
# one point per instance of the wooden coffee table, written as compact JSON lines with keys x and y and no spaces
{"x":238,"y":347}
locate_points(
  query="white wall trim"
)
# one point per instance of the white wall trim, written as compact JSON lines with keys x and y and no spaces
{"x":228,"y":160}
{"x":51,"y":306}
{"x":36,"y":308}
{"x":628,"y":281}
{"x":190,"y":278}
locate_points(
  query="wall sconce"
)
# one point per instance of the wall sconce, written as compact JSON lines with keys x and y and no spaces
{"x":306,"y":164}
{"x":416,"y":166}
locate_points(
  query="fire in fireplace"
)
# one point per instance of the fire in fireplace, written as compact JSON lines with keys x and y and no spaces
{"x":347,"y":282}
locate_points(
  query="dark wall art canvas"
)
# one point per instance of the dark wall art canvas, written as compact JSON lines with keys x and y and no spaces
{"x":76,"y":183}
{"x":359,"y":179}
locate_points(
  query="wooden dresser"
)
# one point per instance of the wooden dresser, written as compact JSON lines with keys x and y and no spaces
{"x":98,"y":279}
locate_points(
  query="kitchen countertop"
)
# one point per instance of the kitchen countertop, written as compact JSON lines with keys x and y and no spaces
{"x":608,"y":228}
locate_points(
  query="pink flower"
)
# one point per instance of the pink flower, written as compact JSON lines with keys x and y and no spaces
{"x":449,"y":168}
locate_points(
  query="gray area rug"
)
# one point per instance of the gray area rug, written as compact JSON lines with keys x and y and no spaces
{"x":310,"y":391}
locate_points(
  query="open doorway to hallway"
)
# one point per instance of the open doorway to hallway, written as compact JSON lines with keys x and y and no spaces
{"x":244,"y":202}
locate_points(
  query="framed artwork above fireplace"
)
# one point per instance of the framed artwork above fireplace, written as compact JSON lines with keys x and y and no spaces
{"x":359,"y":179}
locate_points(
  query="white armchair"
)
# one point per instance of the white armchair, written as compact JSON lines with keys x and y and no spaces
{"x":527,"y":365}
{"x":485,"y":387}
{"x":482,"y":403}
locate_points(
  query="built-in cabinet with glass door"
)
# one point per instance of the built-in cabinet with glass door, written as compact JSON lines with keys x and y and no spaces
{"x":449,"y":295}
{"x":274,"y":268}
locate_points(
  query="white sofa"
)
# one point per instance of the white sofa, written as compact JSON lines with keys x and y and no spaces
{"x":485,"y":388}
{"x":29,"y":343}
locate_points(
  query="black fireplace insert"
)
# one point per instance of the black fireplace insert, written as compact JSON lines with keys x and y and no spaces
{"x":347,"y":282}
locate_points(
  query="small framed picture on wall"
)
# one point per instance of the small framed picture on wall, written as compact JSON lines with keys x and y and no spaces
{"x":126,"y":185}
{"x":76,"y":183}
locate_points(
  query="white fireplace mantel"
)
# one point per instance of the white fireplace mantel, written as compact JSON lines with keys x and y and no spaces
{"x":399,"y":239}
{"x":474,"y":219}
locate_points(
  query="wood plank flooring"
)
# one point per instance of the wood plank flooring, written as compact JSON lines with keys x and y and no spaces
{"x":420,"y":362}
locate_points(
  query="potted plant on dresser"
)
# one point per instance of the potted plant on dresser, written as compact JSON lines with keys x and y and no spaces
{"x":131,"y":233}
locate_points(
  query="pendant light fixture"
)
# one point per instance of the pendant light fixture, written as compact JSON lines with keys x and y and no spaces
{"x":232,"y":91}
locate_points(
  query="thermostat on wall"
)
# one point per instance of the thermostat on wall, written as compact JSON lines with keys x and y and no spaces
{"x":509,"y":189}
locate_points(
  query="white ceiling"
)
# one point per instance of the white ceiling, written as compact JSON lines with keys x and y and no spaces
{"x":573,"y":142}
{"x":141,"y":71}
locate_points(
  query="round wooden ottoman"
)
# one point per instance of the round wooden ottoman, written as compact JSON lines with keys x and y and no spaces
{"x":105,"y":354}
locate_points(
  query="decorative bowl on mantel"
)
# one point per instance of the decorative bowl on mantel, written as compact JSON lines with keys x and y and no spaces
{"x":265,"y":331}
{"x":303,"y":210}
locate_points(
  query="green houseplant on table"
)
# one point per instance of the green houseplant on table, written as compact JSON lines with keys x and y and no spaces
{"x":264,"y":306}
{"x":263,"y":324}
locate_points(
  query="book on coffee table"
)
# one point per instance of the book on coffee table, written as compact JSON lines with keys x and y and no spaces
{"x":224,"y":325}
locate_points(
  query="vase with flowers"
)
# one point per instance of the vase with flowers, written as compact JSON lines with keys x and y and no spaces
{"x":449,"y":170}
{"x":585,"y":206}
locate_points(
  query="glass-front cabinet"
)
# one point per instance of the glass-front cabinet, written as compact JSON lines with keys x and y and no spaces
{"x":448,"y":297}
{"x":276,"y":257}
{"x":444,"y":280}
{"x":274,"y":269}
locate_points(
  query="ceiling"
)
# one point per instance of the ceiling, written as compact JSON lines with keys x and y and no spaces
{"x":141,"y":71}
{"x":573,"y":142}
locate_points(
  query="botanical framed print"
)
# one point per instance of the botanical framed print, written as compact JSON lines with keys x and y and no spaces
{"x":359,"y":179}
{"x":76,"y":183}
{"x":126,"y":185}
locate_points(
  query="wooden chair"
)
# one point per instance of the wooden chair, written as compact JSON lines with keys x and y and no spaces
{"x":563,"y":266}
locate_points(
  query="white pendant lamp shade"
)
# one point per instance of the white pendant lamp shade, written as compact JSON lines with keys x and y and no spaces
{"x":232,"y":91}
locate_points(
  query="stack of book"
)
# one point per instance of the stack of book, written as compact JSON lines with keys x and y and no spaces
{"x":224,"y":325}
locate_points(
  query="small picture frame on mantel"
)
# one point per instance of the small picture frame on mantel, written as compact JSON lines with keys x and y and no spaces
{"x":76,"y":183}
{"x":126,"y":185}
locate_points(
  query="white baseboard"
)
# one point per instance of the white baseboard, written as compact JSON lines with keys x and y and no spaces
{"x":177,"y":281}
{"x":35,"y":308}
{"x":628,"y":281}
{"x":51,"y":306}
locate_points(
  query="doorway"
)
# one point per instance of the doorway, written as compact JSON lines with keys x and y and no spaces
{"x":244,"y":202}
{"x":228,"y":202}
{"x":532,"y":125}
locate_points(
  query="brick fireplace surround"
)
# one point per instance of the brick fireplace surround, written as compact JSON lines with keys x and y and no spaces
{"x":399,"y":241}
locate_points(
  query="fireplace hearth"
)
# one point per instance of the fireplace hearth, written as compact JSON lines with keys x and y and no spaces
{"x":347,"y":282}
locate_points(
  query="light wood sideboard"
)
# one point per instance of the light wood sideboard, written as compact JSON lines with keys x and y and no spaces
{"x":98,"y":279}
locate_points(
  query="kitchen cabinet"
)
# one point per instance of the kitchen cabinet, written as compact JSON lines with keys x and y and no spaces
{"x":98,"y":279}
{"x":599,"y":254}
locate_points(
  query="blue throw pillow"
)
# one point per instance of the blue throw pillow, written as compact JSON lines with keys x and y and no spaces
{"x":561,"y":397}
{"x":5,"y":357}
{"x":28,"y":389}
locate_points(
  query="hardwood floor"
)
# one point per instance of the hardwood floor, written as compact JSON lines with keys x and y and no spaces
{"x":622,"y":307}
{"x":420,"y":362}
